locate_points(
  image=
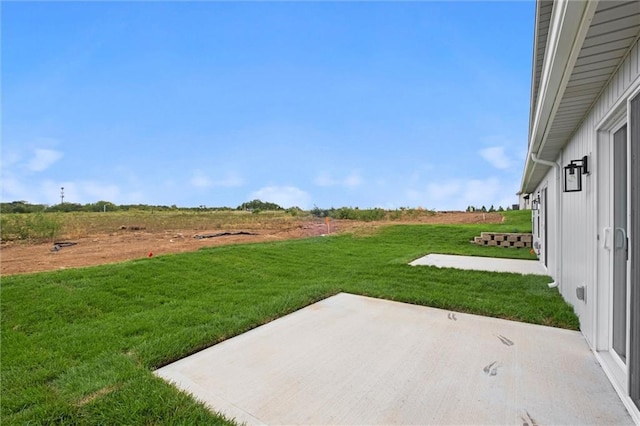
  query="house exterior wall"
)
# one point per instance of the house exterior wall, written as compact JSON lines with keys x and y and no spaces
{"x":572,"y":249}
{"x":523,"y":203}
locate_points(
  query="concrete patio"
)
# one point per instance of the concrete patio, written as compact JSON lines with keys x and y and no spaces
{"x":478,"y":263}
{"x":356,"y":360}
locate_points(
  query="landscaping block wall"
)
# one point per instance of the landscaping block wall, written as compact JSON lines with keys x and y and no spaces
{"x":513,"y":240}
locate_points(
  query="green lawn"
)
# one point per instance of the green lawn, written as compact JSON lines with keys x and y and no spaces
{"x":78,"y":346}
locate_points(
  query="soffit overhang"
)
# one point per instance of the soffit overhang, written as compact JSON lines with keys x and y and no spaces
{"x":578,"y":48}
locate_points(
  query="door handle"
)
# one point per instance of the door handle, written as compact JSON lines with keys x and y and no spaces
{"x":623,"y":240}
{"x":607,"y":235}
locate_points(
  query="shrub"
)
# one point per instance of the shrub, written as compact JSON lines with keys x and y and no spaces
{"x":259,"y":205}
{"x":30,"y":226}
{"x":365,"y":215}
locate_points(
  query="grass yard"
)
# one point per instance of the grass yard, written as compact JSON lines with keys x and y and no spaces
{"x":79,"y":346}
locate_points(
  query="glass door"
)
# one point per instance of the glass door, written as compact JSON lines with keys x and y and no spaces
{"x":620,"y":244}
{"x":633,"y":250}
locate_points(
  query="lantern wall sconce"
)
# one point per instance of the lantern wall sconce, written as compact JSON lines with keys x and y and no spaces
{"x":535,"y":203}
{"x":573,"y":174}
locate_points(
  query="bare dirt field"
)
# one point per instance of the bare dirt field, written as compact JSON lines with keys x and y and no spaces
{"x":126,"y":244}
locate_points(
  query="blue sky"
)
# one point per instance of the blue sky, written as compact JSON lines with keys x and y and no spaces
{"x":368,"y":104}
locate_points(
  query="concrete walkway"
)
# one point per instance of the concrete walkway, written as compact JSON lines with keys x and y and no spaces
{"x":477,"y":263}
{"x":356,"y":360}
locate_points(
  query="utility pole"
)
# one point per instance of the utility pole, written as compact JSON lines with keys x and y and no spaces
{"x":62,"y":195}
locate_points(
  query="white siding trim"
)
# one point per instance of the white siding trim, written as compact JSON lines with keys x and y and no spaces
{"x":569,"y":27}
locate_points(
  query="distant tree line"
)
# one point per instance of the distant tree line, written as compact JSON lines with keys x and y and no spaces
{"x":255,"y":206}
{"x":100,"y":206}
{"x":367,"y":215}
{"x":350,"y":213}
{"x":484,"y":209}
{"x":258,"y":205}
{"x":21,"y":207}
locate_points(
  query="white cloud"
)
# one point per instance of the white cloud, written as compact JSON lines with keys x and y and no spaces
{"x":13,"y":189}
{"x":200,"y":180}
{"x":9,"y":159}
{"x":496,"y":156}
{"x":445,"y":190}
{"x":83,"y":192}
{"x":100,"y":192}
{"x":50,"y":191}
{"x":458,"y":194}
{"x":43,"y":159}
{"x":284,"y":196}
{"x":351,"y":181}
{"x":232,"y":180}
{"x":324,"y":179}
{"x":354,"y":180}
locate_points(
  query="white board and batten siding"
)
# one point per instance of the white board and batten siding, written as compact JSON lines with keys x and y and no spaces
{"x":578,"y":236}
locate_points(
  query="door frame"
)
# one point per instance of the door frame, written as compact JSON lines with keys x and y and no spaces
{"x":627,"y":267}
{"x":626,"y":380}
{"x":604,"y":247}
{"x":544,"y":202}
{"x":633,"y":343}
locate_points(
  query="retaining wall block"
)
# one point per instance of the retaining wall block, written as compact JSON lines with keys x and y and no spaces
{"x":511,"y":239}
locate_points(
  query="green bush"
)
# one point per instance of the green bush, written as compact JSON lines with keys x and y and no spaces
{"x":259,"y":205}
{"x":30,"y":226}
{"x":365,"y":215}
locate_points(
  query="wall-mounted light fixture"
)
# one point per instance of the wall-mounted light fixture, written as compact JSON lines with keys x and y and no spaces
{"x":535,"y":203}
{"x":573,"y":174}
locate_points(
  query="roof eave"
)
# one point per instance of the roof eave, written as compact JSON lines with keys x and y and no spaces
{"x":570,"y":22}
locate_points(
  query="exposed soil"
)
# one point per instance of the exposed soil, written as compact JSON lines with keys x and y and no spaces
{"x":125,"y":244}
